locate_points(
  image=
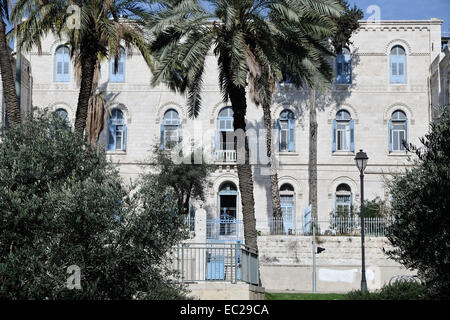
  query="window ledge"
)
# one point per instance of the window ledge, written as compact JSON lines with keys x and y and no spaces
{"x":287,"y":153}
{"x":398,"y":154}
{"x":343,"y":153}
{"x":116,"y":153}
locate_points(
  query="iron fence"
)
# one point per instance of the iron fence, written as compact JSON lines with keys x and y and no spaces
{"x":339,"y":226}
{"x":224,"y":229}
{"x":231,"y":262}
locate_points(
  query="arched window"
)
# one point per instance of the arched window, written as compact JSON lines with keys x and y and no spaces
{"x":343,"y":132}
{"x":398,"y":64}
{"x":398,"y":131}
{"x":170,"y":130}
{"x":118,"y":74}
{"x":343,"y":201}
{"x":287,"y":207}
{"x":225,"y":150}
{"x":64,"y":115}
{"x":286,"y":131}
{"x":62,"y":64}
{"x":343,"y":67}
{"x":117,"y":131}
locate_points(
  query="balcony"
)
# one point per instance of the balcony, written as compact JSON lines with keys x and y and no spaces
{"x":225,"y":156}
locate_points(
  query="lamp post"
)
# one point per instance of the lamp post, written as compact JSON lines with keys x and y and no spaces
{"x":361,"y":162}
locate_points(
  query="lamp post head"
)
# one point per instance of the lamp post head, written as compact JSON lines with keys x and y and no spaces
{"x":361,"y":161}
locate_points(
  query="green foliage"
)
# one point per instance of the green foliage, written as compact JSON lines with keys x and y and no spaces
{"x":420,"y":207}
{"x":255,"y":42}
{"x":347,"y":23}
{"x":186,"y":178}
{"x":63,"y":204}
{"x":398,"y":290}
{"x":375,"y":208}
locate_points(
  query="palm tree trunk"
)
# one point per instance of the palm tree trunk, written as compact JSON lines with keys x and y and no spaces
{"x":276,"y":206}
{"x":313,"y":153}
{"x":8,"y":82}
{"x":88,"y":63}
{"x":245,"y":175}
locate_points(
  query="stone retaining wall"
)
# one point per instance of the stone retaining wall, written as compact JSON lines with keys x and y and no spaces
{"x":286,"y":263}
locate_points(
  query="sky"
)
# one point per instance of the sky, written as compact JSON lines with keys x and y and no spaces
{"x":407,"y":10}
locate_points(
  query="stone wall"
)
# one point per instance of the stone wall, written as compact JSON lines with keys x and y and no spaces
{"x":286,"y":263}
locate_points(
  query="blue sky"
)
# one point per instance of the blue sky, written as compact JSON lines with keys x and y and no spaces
{"x":408,"y":10}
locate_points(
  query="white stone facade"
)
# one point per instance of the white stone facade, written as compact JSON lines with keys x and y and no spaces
{"x":370,"y":100}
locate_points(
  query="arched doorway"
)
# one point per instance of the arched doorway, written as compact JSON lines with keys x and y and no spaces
{"x":287,"y":208}
{"x":228,"y":200}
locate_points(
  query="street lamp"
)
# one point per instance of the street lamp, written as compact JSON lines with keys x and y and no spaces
{"x":361,"y":162}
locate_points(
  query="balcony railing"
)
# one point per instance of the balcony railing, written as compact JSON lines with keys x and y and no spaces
{"x":232,"y":230}
{"x":225,"y":155}
{"x":233,"y":262}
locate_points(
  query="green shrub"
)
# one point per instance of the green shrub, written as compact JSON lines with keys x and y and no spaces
{"x":63,"y":204}
{"x":397,"y":290}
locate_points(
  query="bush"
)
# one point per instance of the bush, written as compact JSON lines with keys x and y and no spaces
{"x":397,"y":290}
{"x":62,"y":204}
{"x":420,"y":208}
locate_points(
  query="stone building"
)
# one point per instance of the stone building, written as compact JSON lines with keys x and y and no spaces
{"x":381,"y":96}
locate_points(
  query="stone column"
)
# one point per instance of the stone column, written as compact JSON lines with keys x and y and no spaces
{"x":200,"y":243}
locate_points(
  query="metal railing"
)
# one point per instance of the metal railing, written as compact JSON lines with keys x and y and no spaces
{"x":336,"y":226}
{"x":231,"y":262}
{"x":224,"y":229}
{"x":225,"y":155}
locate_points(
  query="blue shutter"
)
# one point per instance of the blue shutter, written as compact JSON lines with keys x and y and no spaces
{"x":119,"y":74}
{"x":339,"y":68}
{"x":291,"y":144}
{"x":161,"y":141}
{"x":352,"y":135}
{"x":406,"y":132}
{"x":62,"y":65}
{"x":124,"y":139}
{"x":347,"y":69}
{"x":390,"y":135}
{"x":402,"y":69}
{"x":334,"y":135}
{"x":398,"y":68}
{"x":111,"y":135}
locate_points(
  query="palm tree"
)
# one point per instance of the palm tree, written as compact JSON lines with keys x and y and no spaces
{"x":104,"y":26}
{"x":8,"y":82}
{"x":245,"y":36}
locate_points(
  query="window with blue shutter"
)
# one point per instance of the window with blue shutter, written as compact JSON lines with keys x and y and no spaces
{"x":170,"y":130}
{"x":343,"y":67}
{"x":118,"y":74}
{"x":286,"y":131}
{"x":398,"y":64}
{"x":398,"y":131}
{"x":343,"y":132}
{"x":117,"y":131}
{"x":62,"y":64}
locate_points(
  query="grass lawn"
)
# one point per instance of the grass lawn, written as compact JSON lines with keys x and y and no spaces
{"x":304,"y":296}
